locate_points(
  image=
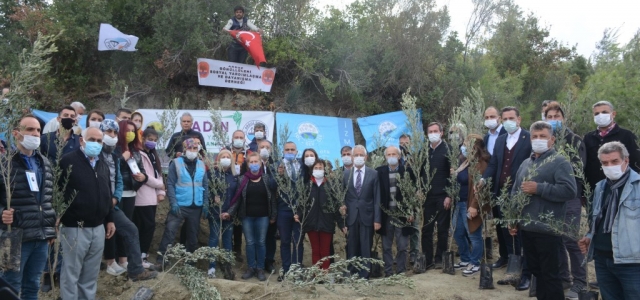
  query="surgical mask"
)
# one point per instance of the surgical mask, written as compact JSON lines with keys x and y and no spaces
{"x":264,"y":153}
{"x":130,"y":137}
{"x":94,"y":124}
{"x":259,"y":135}
{"x":150,"y":145}
{"x":613,"y":172}
{"x":137,"y":124}
{"x":359,"y":161}
{"x":510,"y":126}
{"x":463,"y":150}
{"x":434,"y":137}
{"x":289,"y":156}
{"x":602,"y":120}
{"x":392,"y":161}
{"x":92,"y":149}
{"x":67,"y":123}
{"x":318,"y":174}
{"x":491,"y":123}
{"x":30,"y":142}
{"x":347,"y":161}
{"x":238,"y":143}
{"x":225,"y":162}
{"x":539,"y":146}
{"x":191,"y":155}
{"x":308,"y":161}
{"x":254,"y":168}
{"x":555,"y":125}
{"x":109,"y":141}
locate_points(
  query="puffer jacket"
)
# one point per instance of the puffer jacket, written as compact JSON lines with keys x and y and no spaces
{"x":147,"y":194}
{"x":36,"y":217}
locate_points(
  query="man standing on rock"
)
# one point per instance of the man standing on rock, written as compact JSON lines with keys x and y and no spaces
{"x":236,"y":52}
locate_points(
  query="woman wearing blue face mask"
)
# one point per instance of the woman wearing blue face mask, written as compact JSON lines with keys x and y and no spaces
{"x":255,"y":204}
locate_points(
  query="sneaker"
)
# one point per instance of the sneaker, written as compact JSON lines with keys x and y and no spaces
{"x":145,"y":275}
{"x":115,"y":269}
{"x":471,"y":270}
{"x":572,"y":294}
{"x":248,"y":273}
{"x":260,"y":275}
{"x":461,"y":265}
{"x":211,"y":273}
{"x":124,"y":265}
{"x":146,"y":264}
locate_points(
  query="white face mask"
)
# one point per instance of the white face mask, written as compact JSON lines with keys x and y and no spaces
{"x":491,"y":123}
{"x":264,"y":153}
{"x":318,"y":174}
{"x":613,"y":172}
{"x":308,"y":161}
{"x":392,"y":160}
{"x":347,"y":161}
{"x":539,"y":146}
{"x":225,"y":162}
{"x":359,"y":161}
{"x":191,"y":155}
{"x":30,"y":142}
{"x":259,"y":135}
{"x":137,"y":124}
{"x":434,"y":137}
{"x":109,"y":141}
{"x":238,"y":143}
{"x":95,"y":124}
{"x":510,"y":126}
{"x":602,"y":120}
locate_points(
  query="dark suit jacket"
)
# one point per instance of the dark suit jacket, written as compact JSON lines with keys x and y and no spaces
{"x":367,"y":205}
{"x":523,"y":151}
{"x":486,"y":137}
{"x":385,"y":196}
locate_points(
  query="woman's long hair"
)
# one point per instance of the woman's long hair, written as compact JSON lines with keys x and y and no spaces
{"x":152,"y":132}
{"x":135,"y":145}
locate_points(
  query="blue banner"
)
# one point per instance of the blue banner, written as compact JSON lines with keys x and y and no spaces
{"x":384,"y":129}
{"x":326,"y":135}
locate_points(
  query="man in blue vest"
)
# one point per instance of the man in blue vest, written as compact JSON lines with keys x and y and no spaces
{"x":236,"y":52}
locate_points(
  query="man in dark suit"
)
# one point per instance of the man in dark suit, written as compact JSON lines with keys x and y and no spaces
{"x":362,"y":204}
{"x":510,"y":151}
{"x":492,"y":121}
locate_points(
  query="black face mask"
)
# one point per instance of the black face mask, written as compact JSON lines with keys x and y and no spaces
{"x":108,"y":149}
{"x":67,"y":123}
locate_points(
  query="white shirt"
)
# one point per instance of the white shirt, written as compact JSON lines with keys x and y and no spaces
{"x":249,"y":24}
{"x":512,"y":138}
{"x":491,"y":142}
{"x":355,"y":175}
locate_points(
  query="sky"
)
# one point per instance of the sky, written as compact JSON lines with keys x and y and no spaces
{"x":572,"y":22}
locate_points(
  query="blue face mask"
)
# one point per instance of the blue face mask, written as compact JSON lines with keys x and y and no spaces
{"x":289,"y":156}
{"x":254,"y":168}
{"x":510,"y":126}
{"x":555,"y":124}
{"x":92,"y":149}
{"x":463,"y":150}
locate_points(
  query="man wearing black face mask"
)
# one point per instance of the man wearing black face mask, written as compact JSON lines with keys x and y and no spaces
{"x":49,"y":141}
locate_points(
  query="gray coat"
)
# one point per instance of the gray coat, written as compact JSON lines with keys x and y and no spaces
{"x":555,"y":185}
{"x":366,"y":206}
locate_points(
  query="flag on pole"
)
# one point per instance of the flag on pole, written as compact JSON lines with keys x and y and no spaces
{"x":111,"y":38}
{"x":252,"y":42}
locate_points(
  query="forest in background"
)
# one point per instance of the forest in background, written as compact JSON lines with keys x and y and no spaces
{"x":347,"y":62}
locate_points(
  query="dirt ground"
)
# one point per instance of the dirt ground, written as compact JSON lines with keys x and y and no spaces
{"x":431,"y":285}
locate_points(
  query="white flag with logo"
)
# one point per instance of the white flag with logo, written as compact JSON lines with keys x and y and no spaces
{"x":111,"y":38}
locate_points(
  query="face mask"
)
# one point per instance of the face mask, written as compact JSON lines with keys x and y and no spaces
{"x":491,"y":123}
{"x":110,"y":141}
{"x":539,"y":146}
{"x":463,"y":150}
{"x":613,"y":172}
{"x":150,"y":145}
{"x":309,"y":161}
{"x":238,"y":143}
{"x":259,"y":135}
{"x":92,"y":149}
{"x":358,"y":161}
{"x":254,"y":168}
{"x":67,"y":123}
{"x":94,"y":124}
{"x":555,"y":125}
{"x":434,"y":137}
{"x":30,"y":142}
{"x":225,"y":162}
{"x":346,"y":160}
{"x":130,"y":137}
{"x":137,"y":124}
{"x":264,"y":153}
{"x":602,"y":120}
{"x":543,"y":117}
{"x":510,"y":126}
{"x":318,"y":174}
{"x":392,"y":161}
{"x":289,"y":156}
{"x":108,"y":149}
{"x":191,"y":155}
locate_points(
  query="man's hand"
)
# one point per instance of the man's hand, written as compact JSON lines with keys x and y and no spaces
{"x":280,"y":169}
{"x":7,"y":216}
{"x":296,"y":218}
{"x":584,"y":243}
{"x":473,"y":212}
{"x":513,"y":231}
{"x":410,"y":219}
{"x":217,"y":200}
{"x":529,"y":187}
{"x":111,"y":230}
{"x":261,"y":31}
{"x":343,"y":210}
{"x":225,"y":216}
{"x":178,"y":154}
{"x":160,"y":198}
{"x":376,"y":226}
{"x":272,"y":221}
{"x":345,"y":230}
{"x":447,"y":203}
{"x":139,"y":177}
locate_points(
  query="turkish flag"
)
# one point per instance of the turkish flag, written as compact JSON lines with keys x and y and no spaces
{"x":252,"y":42}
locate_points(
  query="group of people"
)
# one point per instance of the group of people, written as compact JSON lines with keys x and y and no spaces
{"x":114,"y":182}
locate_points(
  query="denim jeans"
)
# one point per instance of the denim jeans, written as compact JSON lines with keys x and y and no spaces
{"x":289,"y":237}
{"x":474,"y":254}
{"x":32,"y":261}
{"x":236,"y":53}
{"x":128,"y":233}
{"x":255,"y":233}
{"x":214,"y":235}
{"x":617,"y":281}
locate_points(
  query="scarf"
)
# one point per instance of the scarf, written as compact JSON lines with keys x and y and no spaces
{"x":612,"y":201}
{"x":245,"y":180}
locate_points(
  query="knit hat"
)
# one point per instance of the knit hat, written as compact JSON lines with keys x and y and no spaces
{"x":108,"y":124}
{"x":188,"y":143}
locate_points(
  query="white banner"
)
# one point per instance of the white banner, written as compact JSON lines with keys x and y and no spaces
{"x":111,"y":38}
{"x":231,"y":121}
{"x":234,"y":75}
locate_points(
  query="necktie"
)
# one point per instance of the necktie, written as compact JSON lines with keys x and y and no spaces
{"x":359,"y":182}
{"x":294,"y":174}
